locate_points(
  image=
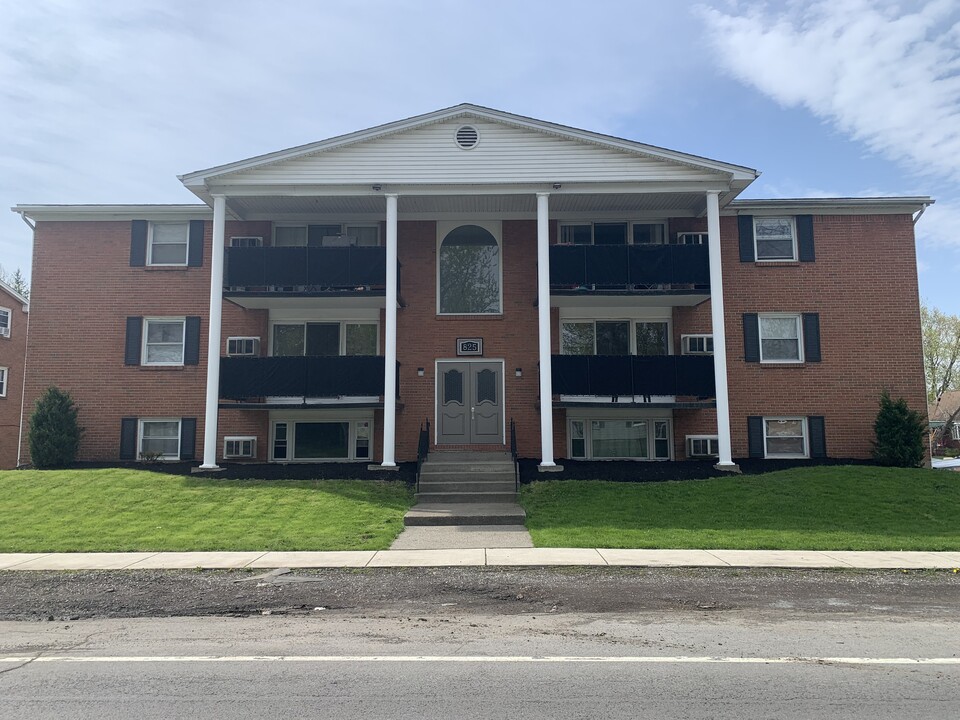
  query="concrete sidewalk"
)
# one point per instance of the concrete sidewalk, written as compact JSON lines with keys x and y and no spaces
{"x":534,"y":557}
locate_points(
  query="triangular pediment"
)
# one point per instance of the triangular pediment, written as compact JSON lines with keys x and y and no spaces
{"x":509,"y":149}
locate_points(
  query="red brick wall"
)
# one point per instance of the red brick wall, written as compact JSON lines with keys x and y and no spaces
{"x":13,"y":352}
{"x":863,"y":284}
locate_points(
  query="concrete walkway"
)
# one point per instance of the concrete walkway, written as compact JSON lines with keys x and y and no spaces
{"x":449,"y":537}
{"x":516,"y":556}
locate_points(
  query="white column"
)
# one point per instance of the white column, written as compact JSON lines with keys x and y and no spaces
{"x":543,"y":308}
{"x":213,"y":335}
{"x":390,"y":340}
{"x":719,"y":332}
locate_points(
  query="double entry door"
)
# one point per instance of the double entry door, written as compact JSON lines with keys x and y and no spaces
{"x":469,"y":403}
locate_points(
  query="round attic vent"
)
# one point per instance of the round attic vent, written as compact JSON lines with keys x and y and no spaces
{"x":467,"y":137}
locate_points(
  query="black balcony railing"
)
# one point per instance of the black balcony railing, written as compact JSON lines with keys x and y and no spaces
{"x":252,"y":378}
{"x":305,"y":268}
{"x":629,"y":375}
{"x":629,"y":267}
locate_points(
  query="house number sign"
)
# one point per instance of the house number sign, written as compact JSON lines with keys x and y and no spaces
{"x":469,"y":346}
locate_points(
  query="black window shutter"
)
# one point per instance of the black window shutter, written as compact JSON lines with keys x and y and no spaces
{"x":128,"y":439}
{"x":191,"y":341}
{"x":818,"y":436}
{"x":188,"y":438}
{"x":811,"y":337}
{"x":131,"y":351}
{"x":755,"y":436}
{"x":747,"y":253}
{"x":751,"y":337}
{"x":138,"y":243}
{"x":195,"y":245}
{"x":805,"y":238}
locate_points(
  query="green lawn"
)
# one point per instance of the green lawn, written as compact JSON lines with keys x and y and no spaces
{"x":816,"y":508}
{"x":126,"y":510}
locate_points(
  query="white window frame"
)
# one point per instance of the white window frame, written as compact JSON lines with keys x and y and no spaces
{"x":793,"y":238}
{"x":352,"y":423}
{"x":4,"y":377}
{"x":709,"y":439}
{"x":632,"y":332}
{"x":186,"y":244}
{"x":955,"y":431}
{"x":140,"y":424}
{"x":5,"y":328}
{"x":615,"y":221}
{"x":685,"y":344}
{"x":144,"y":343}
{"x":797,"y":317}
{"x":252,"y":439}
{"x":804,"y":426}
{"x":343,"y":231}
{"x":254,"y":341}
{"x":495,"y":228}
{"x":588,"y":421}
{"x":343,"y":330}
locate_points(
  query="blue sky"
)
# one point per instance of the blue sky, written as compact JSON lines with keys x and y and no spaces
{"x":107,"y":102}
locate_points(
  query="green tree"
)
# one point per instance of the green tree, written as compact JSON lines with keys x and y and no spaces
{"x":17,"y":281}
{"x":899,"y":434}
{"x":941,"y":350}
{"x":54,"y":431}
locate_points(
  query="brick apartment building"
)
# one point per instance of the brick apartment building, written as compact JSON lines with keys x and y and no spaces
{"x":13,"y":351}
{"x":480,"y":271}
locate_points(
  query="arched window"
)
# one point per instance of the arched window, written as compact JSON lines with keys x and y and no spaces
{"x":469,"y":271}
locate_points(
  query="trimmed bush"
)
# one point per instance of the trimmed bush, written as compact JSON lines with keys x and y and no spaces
{"x":54,"y":432}
{"x":899,"y":434}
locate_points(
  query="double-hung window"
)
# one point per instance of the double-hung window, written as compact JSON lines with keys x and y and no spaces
{"x":167,"y":243}
{"x":3,"y":381}
{"x":785,"y":437}
{"x":160,"y":438}
{"x":775,"y":238}
{"x":5,"y":316}
{"x":697,"y":344}
{"x":163,"y":341}
{"x":780,"y":338}
{"x":325,"y":338}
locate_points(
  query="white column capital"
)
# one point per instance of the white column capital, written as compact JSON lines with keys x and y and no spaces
{"x":543,"y":194}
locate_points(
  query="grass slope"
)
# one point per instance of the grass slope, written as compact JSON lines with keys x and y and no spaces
{"x":816,"y":508}
{"x":121,"y":509}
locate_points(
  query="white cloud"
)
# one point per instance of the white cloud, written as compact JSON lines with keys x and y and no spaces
{"x":886,"y":73}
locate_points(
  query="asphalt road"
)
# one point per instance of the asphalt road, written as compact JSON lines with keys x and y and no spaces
{"x":562,"y":643}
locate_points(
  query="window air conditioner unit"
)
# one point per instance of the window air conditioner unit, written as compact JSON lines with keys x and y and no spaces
{"x":692,"y":238}
{"x":338,"y":241}
{"x":4,"y":332}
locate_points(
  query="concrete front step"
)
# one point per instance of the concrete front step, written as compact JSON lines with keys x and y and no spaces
{"x":467,"y":497}
{"x":432,"y":468}
{"x":465,"y":514}
{"x":472,"y":486}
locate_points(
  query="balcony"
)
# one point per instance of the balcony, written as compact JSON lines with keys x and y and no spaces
{"x":630,"y":270}
{"x":304,"y":271}
{"x":253,"y":379}
{"x":632,"y":375}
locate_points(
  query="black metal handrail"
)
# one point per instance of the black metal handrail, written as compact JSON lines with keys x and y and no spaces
{"x":634,"y":266}
{"x":423,"y":447}
{"x":513,"y":454}
{"x":632,"y":375}
{"x":318,"y":268}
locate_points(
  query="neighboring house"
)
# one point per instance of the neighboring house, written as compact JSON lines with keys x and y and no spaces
{"x":484,"y":272}
{"x":14,"y":310}
{"x":940,"y":411}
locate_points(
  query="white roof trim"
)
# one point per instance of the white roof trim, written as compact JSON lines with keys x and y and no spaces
{"x":61,"y":213}
{"x":832,"y":206}
{"x":199,"y":178}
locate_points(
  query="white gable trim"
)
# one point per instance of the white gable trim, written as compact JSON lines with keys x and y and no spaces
{"x":199,"y":179}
